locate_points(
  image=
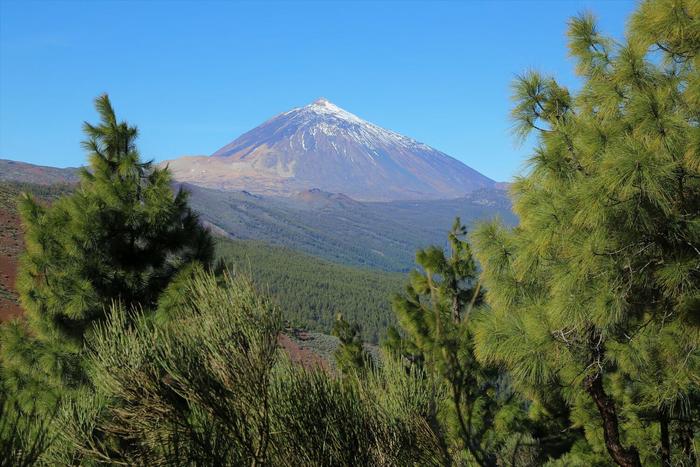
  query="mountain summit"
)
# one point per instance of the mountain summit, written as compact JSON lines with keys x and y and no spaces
{"x":323,"y":146}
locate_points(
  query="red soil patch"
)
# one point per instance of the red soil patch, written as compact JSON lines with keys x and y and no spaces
{"x":304,"y":357}
{"x":11,"y":245}
{"x":12,"y":240}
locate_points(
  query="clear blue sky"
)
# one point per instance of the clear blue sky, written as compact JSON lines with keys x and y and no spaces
{"x":195,"y":75}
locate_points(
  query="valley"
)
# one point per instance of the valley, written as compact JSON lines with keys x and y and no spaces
{"x":309,"y":289}
{"x":312,"y":291}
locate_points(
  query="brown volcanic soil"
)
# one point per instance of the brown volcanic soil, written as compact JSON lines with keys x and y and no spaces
{"x":302,"y":356}
{"x":11,"y":245}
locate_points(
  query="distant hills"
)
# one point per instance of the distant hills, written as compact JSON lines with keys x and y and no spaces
{"x":314,"y":250}
{"x":322,"y":208}
{"x":323,"y":146}
{"x":15,"y":171}
{"x":320,"y":180}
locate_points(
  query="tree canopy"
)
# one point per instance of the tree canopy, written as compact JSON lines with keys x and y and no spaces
{"x":120,"y":237}
{"x":595,"y":296}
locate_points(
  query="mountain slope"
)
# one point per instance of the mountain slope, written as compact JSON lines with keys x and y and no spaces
{"x":309,"y":290}
{"x":383,"y":235}
{"x":15,"y":171}
{"x":11,"y":236}
{"x":323,"y":146}
{"x":312,"y":291}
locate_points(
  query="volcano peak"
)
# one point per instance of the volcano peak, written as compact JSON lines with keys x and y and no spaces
{"x":324,"y":146}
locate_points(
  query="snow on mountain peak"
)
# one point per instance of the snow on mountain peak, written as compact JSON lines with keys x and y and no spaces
{"x":320,"y":111}
{"x":320,"y":145}
{"x":325,"y":108}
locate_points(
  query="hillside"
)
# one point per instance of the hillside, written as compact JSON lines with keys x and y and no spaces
{"x":16,"y":171}
{"x":311,"y":291}
{"x":11,"y":242}
{"x":334,"y":226}
{"x":323,"y":146}
{"x":378,"y":235}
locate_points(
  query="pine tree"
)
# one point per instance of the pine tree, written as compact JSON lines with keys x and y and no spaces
{"x":435,"y":317}
{"x":24,"y":437}
{"x":121,"y":237}
{"x":350,"y":356}
{"x":595,"y":296}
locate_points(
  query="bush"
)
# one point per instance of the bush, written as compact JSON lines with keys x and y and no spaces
{"x":209,"y":386}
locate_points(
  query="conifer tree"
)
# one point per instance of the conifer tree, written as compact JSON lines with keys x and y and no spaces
{"x":595,"y":296}
{"x":24,"y":437}
{"x":350,"y":356}
{"x":121,"y":237}
{"x":434,"y":316}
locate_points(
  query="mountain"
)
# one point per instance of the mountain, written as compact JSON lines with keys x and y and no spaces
{"x":325,"y":147}
{"x":16,"y":171}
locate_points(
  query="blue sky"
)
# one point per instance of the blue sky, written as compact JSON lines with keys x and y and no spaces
{"x":195,"y":75}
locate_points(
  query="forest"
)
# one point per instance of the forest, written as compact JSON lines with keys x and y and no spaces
{"x":571,"y":339}
{"x":312,"y":291}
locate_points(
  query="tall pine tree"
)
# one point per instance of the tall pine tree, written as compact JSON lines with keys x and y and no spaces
{"x":596,"y":294}
{"x":435,"y":315}
{"x":121,"y":237}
